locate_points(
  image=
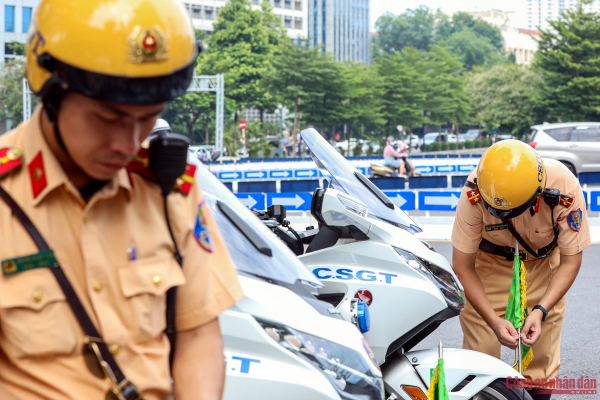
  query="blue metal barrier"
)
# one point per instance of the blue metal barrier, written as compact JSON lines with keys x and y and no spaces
{"x":257,"y":187}
{"x":389,"y":183}
{"x":304,"y":185}
{"x":428,"y":182}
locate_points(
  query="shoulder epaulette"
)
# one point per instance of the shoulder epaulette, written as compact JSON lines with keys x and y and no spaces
{"x":11,"y":159}
{"x":185,"y":182}
{"x":474,"y":196}
{"x":141,"y":166}
{"x":565,"y":200}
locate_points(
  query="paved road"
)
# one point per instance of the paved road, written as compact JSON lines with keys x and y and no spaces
{"x":580,"y":347}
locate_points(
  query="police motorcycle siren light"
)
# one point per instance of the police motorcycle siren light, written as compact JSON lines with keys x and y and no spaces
{"x":280,"y":340}
{"x":366,"y":244}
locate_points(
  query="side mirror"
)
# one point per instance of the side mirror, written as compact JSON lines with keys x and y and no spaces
{"x":215,"y":155}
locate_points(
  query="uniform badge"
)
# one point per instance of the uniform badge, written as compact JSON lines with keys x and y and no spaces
{"x":37,"y":175}
{"x":44,"y":259}
{"x":185,"y":182}
{"x":499,"y":202}
{"x":565,"y":200}
{"x":574,"y":220}
{"x":147,"y":45}
{"x":201,"y":231}
{"x":11,"y":159}
{"x":474,"y":196}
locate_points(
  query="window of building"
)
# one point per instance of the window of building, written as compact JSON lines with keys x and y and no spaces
{"x":9,"y":18}
{"x":277,"y":3}
{"x":8,"y":50}
{"x":287,"y":4}
{"x":197,"y":13}
{"x":26,"y":18}
{"x":298,"y":5}
{"x":256,"y":2}
{"x":209,"y":14}
{"x":287,"y":22}
{"x":298,"y":23}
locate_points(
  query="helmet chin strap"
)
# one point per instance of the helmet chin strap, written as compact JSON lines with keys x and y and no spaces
{"x":51,"y":105}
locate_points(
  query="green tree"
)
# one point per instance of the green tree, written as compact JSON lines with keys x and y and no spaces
{"x":504,"y":97}
{"x":413,"y":28}
{"x":473,"y":49}
{"x":186,"y":114}
{"x":241,"y":46}
{"x":17,"y":48}
{"x":11,"y":91}
{"x":446,"y":27}
{"x":363,"y":100}
{"x":567,"y":57}
{"x":291,"y":77}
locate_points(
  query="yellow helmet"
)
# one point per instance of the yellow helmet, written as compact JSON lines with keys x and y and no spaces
{"x":510,"y":177}
{"x":123,"y":51}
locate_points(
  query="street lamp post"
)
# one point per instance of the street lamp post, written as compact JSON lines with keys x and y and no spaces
{"x":280,"y":112}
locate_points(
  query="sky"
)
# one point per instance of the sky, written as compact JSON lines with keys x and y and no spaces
{"x":378,"y":7}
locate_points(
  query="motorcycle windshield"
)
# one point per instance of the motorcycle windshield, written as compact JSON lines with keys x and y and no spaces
{"x":248,"y":240}
{"x":343,"y":176}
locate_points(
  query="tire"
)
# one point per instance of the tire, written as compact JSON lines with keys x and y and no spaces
{"x":497,"y":390}
{"x":571,"y":167}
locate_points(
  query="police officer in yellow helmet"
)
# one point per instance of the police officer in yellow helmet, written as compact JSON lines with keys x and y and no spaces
{"x":97,"y":285}
{"x":514,"y":196}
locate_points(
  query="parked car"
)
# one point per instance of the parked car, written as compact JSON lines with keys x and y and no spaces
{"x":470,"y":135}
{"x":431,"y":137}
{"x":575,"y":144}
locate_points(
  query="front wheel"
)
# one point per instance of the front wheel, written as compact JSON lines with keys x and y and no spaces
{"x":497,"y":390}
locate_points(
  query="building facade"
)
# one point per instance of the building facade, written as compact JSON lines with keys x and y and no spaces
{"x":517,"y":40}
{"x":342,"y":27}
{"x":15,"y":17}
{"x":292,"y":12}
{"x":536,"y":13}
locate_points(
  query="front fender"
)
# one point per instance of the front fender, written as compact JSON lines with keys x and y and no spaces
{"x":458,"y":365}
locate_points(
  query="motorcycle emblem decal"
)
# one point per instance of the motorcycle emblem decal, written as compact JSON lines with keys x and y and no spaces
{"x":365,"y":296}
{"x":575,"y":220}
{"x":370,"y":353}
{"x":201,"y":231}
{"x":474,"y":196}
{"x":500,"y":202}
{"x":565,"y":200}
{"x":147,"y":45}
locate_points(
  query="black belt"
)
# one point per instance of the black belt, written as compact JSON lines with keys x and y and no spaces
{"x":509,"y":252}
{"x":126,"y":388}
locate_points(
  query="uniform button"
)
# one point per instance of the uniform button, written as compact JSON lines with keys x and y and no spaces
{"x":86,"y":218}
{"x":157,"y":280}
{"x":97,"y":286}
{"x":115,"y":349}
{"x":37,"y":296}
{"x":547,"y":237}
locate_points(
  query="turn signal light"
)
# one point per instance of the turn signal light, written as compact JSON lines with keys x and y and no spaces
{"x":414,"y":392}
{"x":533,"y":144}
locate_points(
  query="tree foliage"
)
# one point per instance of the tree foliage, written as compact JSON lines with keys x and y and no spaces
{"x":11,"y":91}
{"x":568,"y":57}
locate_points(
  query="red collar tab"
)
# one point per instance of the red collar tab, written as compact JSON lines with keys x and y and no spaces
{"x":565,"y":200}
{"x":11,"y":159}
{"x":37,"y":175}
{"x":185,"y":182}
{"x":537,"y":205}
{"x":141,"y":164}
{"x":474,"y":196}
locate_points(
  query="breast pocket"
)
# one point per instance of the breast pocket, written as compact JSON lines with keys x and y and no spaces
{"x":540,"y":239}
{"x":144,"y":284}
{"x":35,"y":317}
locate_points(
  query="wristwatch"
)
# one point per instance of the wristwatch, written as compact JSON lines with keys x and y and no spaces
{"x":543,"y":310}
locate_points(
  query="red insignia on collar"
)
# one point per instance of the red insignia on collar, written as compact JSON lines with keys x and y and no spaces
{"x":141,"y":164}
{"x":185,"y":182}
{"x":37,"y":175}
{"x":11,"y":159}
{"x":474,"y":196}
{"x":565,"y":200}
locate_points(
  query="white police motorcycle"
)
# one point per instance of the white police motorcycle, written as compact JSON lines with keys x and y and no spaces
{"x":373,"y":267}
{"x":280,"y":341}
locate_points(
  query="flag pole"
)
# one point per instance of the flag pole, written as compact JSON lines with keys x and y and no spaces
{"x":440,"y":351}
{"x":518,"y":351}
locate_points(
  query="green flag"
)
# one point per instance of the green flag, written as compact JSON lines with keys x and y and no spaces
{"x":437,"y":388}
{"x":516,"y":309}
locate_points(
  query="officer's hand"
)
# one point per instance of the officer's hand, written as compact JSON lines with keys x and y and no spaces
{"x":506,"y":333}
{"x":532,"y":330}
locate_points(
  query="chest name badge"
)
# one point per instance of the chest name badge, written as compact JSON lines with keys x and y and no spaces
{"x":497,"y":227}
{"x":43,"y":259}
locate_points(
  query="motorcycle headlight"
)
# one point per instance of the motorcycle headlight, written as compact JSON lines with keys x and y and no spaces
{"x":345,"y":369}
{"x":440,"y":277}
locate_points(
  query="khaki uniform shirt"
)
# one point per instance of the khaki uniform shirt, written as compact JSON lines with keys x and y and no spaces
{"x":40,"y":339}
{"x":471,"y":220}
